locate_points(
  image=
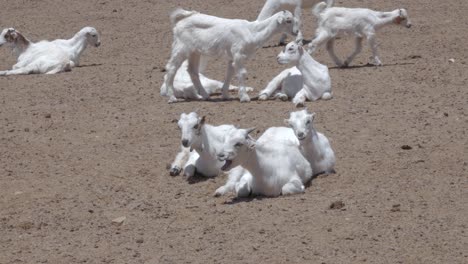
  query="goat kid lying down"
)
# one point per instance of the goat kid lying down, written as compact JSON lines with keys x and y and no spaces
{"x":47,"y":57}
{"x":184,"y":88}
{"x":294,"y":6}
{"x":307,"y":80}
{"x":361,"y":22}
{"x":197,"y":34}
{"x":274,"y":161}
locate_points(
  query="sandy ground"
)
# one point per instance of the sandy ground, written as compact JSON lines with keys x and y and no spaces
{"x":81,"y":148}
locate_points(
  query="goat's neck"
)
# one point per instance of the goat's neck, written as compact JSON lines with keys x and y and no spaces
{"x":248,"y":159}
{"x":78,"y":43}
{"x":310,"y":145}
{"x":385,"y":18}
{"x":208,"y":139}
{"x":21,"y":44}
{"x":306,"y":63}
{"x":264,"y":30}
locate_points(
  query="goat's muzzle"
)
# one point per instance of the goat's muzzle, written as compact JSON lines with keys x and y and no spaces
{"x":408,"y":25}
{"x":97,"y":44}
{"x":185,"y":143}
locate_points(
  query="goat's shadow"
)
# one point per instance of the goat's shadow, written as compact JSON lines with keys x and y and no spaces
{"x":304,"y":42}
{"x":369,"y":65}
{"x":214,"y":100}
{"x":251,"y":198}
{"x":197,"y":178}
{"x":89,"y":65}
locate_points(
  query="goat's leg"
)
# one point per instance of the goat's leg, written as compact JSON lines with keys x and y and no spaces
{"x":193,"y":70}
{"x":373,"y":45}
{"x":297,"y":15}
{"x":357,"y":50}
{"x":234,"y":177}
{"x":242,"y":73}
{"x":274,"y":85}
{"x":244,"y":186}
{"x":190,"y":167}
{"x":172,"y":66}
{"x":300,"y":98}
{"x":292,"y":187}
{"x":18,"y":71}
{"x":227,"y":80}
{"x":179,"y":161}
{"x":331,"y":51}
{"x":320,"y":37}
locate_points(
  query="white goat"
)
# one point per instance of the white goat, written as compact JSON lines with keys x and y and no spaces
{"x":294,"y":6}
{"x":47,"y":57}
{"x":200,"y":144}
{"x":274,"y":161}
{"x":307,"y":80}
{"x":41,"y":57}
{"x":78,"y":43}
{"x":358,"y":21}
{"x":197,"y":34}
{"x":184,"y":88}
{"x":314,"y":145}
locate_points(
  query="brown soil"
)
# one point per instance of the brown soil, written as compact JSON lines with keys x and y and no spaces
{"x":79,"y":149}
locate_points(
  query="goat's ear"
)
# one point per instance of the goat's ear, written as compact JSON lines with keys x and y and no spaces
{"x":280,"y":19}
{"x":250,"y":142}
{"x":201,"y":122}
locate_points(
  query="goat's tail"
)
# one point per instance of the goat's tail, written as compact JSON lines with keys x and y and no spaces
{"x":180,"y":14}
{"x":320,"y":7}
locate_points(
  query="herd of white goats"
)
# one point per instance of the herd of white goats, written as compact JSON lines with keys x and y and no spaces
{"x":282,"y":159}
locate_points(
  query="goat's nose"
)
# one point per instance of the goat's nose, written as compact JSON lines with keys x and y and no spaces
{"x":300,"y":134}
{"x":98,"y":44}
{"x":408,"y":25}
{"x":221,"y":156}
{"x":185,"y":142}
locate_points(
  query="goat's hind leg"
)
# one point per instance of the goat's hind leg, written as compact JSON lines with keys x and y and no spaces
{"x":176,"y":60}
{"x":227,"y":80}
{"x":373,"y":45}
{"x":356,"y":51}
{"x":193,"y":69}
{"x":331,"y":51}
{"x":242,"y":72}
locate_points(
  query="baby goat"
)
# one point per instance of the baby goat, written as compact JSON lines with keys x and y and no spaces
{"x":358,"y":21}
{"x":315,"y":80}
{"x":294,"y":6}
{"x":314,"y":145}
{"x":197,"y":34}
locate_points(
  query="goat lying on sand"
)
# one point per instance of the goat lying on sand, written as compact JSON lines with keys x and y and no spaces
{"x":197,"y":34}
{"x":308,"y":80}
{"x":358,"y":21}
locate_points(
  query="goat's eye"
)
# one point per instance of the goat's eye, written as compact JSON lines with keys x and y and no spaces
{"x":195,"y":126}
{"x":307,"y":122}
{"x":291,"y":49}
{"x":238,"y":145}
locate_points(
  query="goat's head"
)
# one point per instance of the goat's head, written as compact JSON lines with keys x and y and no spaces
{"x":92,"y":36}
{"x":190,"y":126}
{"x":402,"y":18}
{"x":288,"y":22}
{"x":9,"y":36}
{"x":290,"y":54}
{"x":236,"y":142}
{"x":301,"y":122}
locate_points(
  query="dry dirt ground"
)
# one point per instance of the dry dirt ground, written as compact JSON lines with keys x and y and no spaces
{"x":79,"y":149}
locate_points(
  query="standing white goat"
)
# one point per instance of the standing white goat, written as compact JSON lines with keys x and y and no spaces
{"x":358,"y":21}
{"x":184,"y":88}
{"x":47,"y":57}
{"x":41,"y":57}
{"x":197,"y":34}
{"x":307,"y":80}
{"x":275,"y":162}
{"x":294,"y":6}
{"x":200,"y":145}
{"x":314,"y":145}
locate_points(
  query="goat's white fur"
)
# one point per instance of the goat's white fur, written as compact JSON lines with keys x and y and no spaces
{"x":200,"y":145}
{"x":197,"y":34}
{"x":314,"y":145}
{"x":275,"y":162}
{"x":184,"y":88}
{"x":294,"y":6}
{"x":308,"y":80}
{"x":360,"y":22}
{"x":47,"y":57}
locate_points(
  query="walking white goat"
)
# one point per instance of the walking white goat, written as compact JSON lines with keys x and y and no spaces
{"x":197,"y":34}
{"x":358,"y":21}
{"x":184,"y":88}
{"x":314,"y":145}
{"x":275,"y":162}
{"x":200,"y":145}
{"x":47,"y":57}
{"x":294,"y":6}
{"x":308,"y":80}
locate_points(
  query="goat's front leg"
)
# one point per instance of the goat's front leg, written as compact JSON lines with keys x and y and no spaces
{"x":373,"y":45}
{"x":331,"y":51}
{"x":18,"y":71}
{"x":242,"y":72}
{"x":227,"y":80}
{"x":292,"y":187}
{"x":179,"y":161}
{"x":320,"y":37}
{"x":357,"y":50}
{"x":297,"y":15}
{"x":193,"y":69}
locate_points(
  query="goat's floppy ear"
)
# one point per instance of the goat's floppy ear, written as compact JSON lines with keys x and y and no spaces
{"x":281,"y":18}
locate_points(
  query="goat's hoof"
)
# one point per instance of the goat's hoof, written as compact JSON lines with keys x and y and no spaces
{"x":172,"y":99}
{"x":301,"y":104}
{"x":244,"y":99}
{"x":174,"y":171}
{"x":263,"y":97}
{"x":220,"y":192}
{"x":283,"y":97}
